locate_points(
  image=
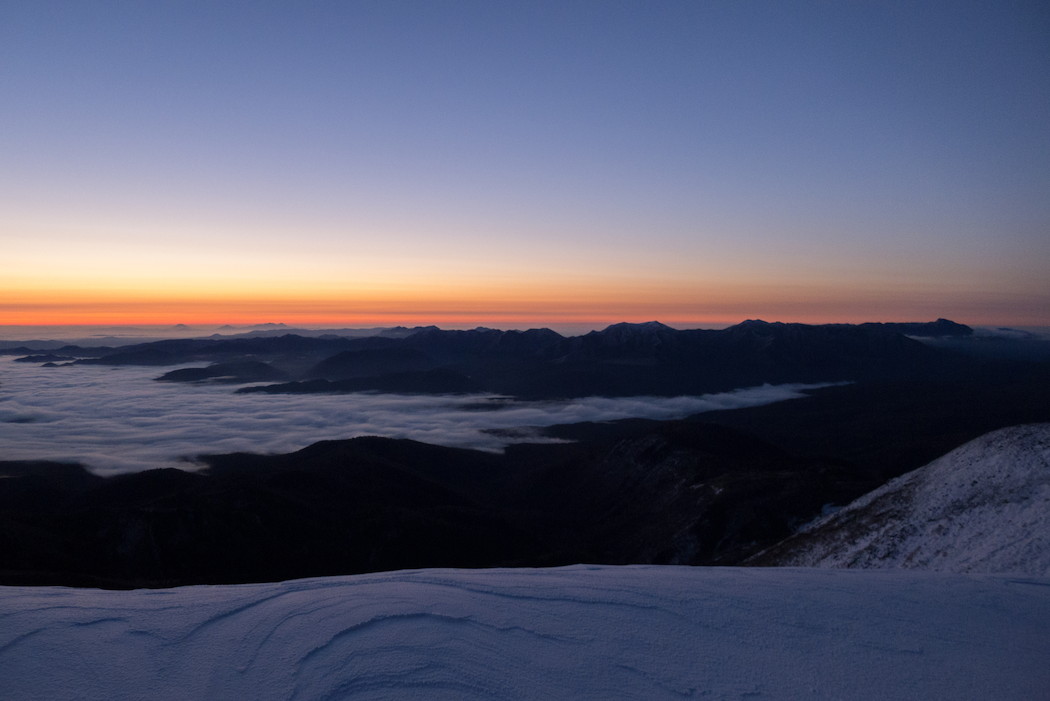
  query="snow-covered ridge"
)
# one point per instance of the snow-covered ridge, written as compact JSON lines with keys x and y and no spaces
{"x":570,"y":633}
{"x":983,"y":507}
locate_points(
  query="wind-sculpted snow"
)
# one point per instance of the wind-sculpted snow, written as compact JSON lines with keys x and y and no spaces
{"x":983,"y":507}
{"x":117,"y":419}
{"x":571,"y":633}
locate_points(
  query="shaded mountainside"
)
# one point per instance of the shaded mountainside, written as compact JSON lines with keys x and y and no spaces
{"x":435,"y":381}
{"x":983,"y":507}
{"x":370,"y":362}
{"x":884,"y":429}
{"x":678,"y":492}
{"x":233,"y":372}
{"x":942,"y":328}
{"x":635,"y":359}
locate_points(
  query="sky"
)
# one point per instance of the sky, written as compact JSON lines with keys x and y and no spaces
{"x":519,"y":164}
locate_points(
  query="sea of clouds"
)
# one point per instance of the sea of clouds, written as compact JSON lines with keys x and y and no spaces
{"x":116,"y":420}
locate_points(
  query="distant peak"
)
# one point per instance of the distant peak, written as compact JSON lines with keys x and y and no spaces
{"x":753,"y":324}
{"x":643,"y":326}
{"x":941,"y":327}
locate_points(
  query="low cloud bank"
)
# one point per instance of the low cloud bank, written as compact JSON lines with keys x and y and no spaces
{"x":117,"y":420}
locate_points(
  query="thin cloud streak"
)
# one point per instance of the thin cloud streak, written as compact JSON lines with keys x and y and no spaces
{"x":118,"y":420}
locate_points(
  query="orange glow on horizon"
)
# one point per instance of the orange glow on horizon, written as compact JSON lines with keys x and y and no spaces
{"x":487,"y":308}
{"x":508,"y":303}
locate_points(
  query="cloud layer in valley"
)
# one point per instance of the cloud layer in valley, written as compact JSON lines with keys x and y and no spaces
{"x":116,"y":420}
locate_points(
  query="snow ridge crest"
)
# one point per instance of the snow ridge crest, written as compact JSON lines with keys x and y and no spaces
{"x":983,"y":507}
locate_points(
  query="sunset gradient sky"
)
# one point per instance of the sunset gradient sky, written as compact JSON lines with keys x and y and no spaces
{"x":524,"y":163}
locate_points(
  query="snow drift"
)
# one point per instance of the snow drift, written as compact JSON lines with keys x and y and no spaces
{"x":570,"y":633}
{"x":983,"y":507}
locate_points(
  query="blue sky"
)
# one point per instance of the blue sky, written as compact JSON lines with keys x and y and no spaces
{"x":685,"y":160}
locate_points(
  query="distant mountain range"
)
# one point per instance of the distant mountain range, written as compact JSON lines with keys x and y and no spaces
{"x":621,"y":360}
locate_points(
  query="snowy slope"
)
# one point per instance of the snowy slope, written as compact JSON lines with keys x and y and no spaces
{"x":571,"y":633}
{"x":984,"y":507}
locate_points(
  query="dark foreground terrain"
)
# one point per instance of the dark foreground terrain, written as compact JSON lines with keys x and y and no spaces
{"x":709,"y":490}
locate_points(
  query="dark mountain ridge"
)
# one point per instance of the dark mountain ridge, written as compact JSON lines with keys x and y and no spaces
{"x":621,"y":360}
{"x":683,"y":494}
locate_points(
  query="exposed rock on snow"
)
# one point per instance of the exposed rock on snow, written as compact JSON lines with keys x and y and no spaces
{"x":571,"y":633}
{"x":984,"y":507}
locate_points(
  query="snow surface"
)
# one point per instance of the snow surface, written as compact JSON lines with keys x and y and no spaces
{"x":582,"y":632}
{"x":983,"y":507}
